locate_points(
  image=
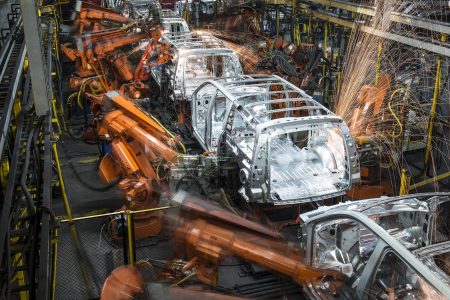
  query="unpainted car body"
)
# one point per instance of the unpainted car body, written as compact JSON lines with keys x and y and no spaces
{"x":390,"y":248}
{"x":197,"y":58}
{"x":275,"y":142}
{"x":172,"y":22}
{"x":138,"y":9}
{"x":206,"y":7}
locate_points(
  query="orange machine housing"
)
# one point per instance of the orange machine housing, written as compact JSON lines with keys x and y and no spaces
{"x":370,"y":101}
{"x":137,"y":143}
{"x":208,"y":233}
{"x":211,"y":241}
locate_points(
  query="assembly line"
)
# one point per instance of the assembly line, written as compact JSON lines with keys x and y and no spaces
{"x":212,"y":149}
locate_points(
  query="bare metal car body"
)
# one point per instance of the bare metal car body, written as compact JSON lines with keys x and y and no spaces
{"x":172,"y":22}
{"x":287,"y":148}
{"x":197,"y":58}
{"x":137,"y":9}
{"x":390,"y":248}
{"x":206,"y":7}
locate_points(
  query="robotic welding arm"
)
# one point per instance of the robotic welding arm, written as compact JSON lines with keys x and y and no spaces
{"x":140,"y":151}
{"x":101,"y":15}
{"x":208,"y":233}
{"x":211,"y":241}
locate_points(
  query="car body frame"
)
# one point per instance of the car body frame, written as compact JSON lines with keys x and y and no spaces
{"x":284,"y":147}
{"x":197,"y":57}
{"x":388,"y":247}
{"x":172,"y":22}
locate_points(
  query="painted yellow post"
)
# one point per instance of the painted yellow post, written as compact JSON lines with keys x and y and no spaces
{"x":404,"y":184}
{"x":18,"y":259}
{"x":4,"y":173}
{"x":130,"y":236}
{"x":61,"y":182}
{"x":277,"y":16}
{"x":437,"y":88}
{"x":339,"y":75}
{"x":55,"y":119}
{"x":309,"y":29}
{"x":378,"y":67}
{"x":296,"y":25}
{"x":325,"y":36}
{"x":55,"y":260}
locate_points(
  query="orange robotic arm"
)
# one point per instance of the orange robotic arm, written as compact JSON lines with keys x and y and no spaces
{"x":91,"y":13}
{"x":137,"y":141}
{"x":101,"y":48}
{"x":211,"y":242}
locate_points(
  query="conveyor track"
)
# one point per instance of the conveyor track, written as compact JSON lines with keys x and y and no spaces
{"x":12,"y":57}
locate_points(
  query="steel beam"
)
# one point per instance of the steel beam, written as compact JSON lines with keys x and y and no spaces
{"x":36,"y":58}
{"x":330,"y":17}
{"x":417,"y":22}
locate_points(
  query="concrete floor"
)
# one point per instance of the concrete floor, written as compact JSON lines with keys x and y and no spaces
{"x":81,"y":158}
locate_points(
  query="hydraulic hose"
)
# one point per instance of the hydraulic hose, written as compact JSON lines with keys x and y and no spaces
{"x":23,"y":177}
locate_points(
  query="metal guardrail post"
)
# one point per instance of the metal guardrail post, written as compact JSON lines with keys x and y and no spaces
{"x":130,"y":236}
{"x":124,"y":240}
{"x":55,"y":259}
{"x":61,"y":183}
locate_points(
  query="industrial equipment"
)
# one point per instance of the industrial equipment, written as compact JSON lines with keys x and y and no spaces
{"x":102,"y":64}
{"x":133,"y":140}
{"x":384,"y":248}
{"x":252,"y":127}
{"x":259,"y":111}
{"x":172,"y":22}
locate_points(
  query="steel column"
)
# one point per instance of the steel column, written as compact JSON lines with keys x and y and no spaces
{"x":36,"y":58}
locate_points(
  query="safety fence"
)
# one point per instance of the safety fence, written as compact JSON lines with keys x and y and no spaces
{"x":89,"y":248}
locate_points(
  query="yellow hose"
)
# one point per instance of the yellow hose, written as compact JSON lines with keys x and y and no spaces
{"x":172,"y":137}
{"x":185,"y":278}
{"x":182,"y":146}
{"x":394,"y":136}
